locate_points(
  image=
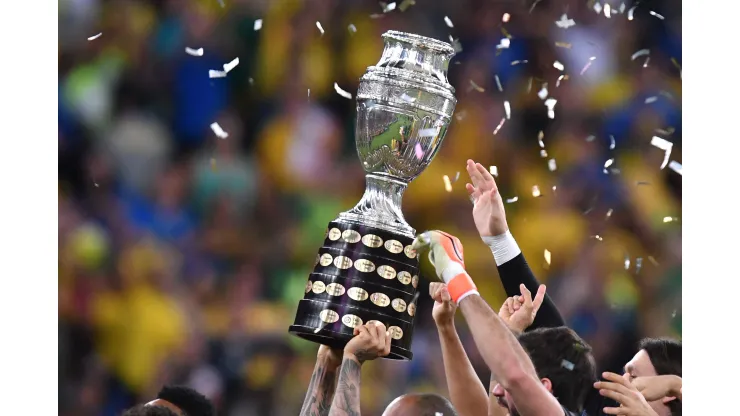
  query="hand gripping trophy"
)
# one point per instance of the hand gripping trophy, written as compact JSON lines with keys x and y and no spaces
{"x":366,"y":269}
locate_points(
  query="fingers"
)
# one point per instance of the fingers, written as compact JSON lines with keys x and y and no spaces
{"x":475,"y":176}
{"x":360,"y":330}
{"x":618,"y":379}
{"x":388,"y":339}
{"x":620,"y":398}
{"x":526,"y":294}
{"x":445,"y":294}
{"x":434,"y":288}
{"x":539,"y":297}
{"x":508,"y":305}
{"x":377,"y":330}
{"x":490,"y":184}
{"x":616,"y":387}
{"x":616,"y":410}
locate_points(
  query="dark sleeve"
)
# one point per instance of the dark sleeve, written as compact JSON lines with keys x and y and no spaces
{"x":515,"y":272}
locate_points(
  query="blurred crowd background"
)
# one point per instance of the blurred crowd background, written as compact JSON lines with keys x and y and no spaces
{"x":182,"y":256}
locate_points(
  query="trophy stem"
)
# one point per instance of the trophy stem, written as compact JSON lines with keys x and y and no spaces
{"x":380,"y":206}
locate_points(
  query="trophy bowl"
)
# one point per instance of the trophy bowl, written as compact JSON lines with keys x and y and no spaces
{"x":366,"y":269}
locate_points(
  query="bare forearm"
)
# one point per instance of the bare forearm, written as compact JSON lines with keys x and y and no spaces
{"x":466,"y":391}
{"x":494,"y":409}
{"x":320,"y":390}
{"x":498,"y":346}
{"x":347,"y":398}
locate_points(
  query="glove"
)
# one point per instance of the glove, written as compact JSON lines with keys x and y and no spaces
{"x":446,"y":255}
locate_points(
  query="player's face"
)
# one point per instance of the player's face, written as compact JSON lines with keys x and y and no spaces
{"x":641,"y":366}
{"x":504,"y":400}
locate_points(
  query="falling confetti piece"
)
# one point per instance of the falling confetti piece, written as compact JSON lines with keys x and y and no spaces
{"x":676,"y":167}
{"x":554,"y":188}
{"x":405,"y":4}
{"x":558,"y":66}
{"x":540,"y":137}
{"x":493,"y":170}
{"x":536,"y":191}
{"x":626,"y":262}
{"x":498,"y":84}
{"x":590,"y":138}
{"x":657,"y":15}
{"x":504,"y":44}
{"x":507,"y":109}
{"x":448,"y":185}
{"x":673,"y":314}
{"x":461,"y":115}
{"x":543,"y":92}
{"x":194,"y":52}
{"x":321,"y":29}
{"x":476,"y":86}
{"x":419,"y":152}
{"x":377,"y":16}
{"x":608,"y":163}
{"x":588,"y":65}
{"x":519,"y":62}
{"x":565,"y":45}
{"x":612,"y":142}
{"x":506,"y":17}
{"x":529,"y":85}
{"x":664,"y":145}
{"x":512,"y":200}
{"x":250,"y":80}
{"x":309,"y":93}
{"x":212,"y":73}
{"x":647,"y":61}
{"x":630,"y":13}
{"x":407,"y":98}
{"x":218,"y":131}
{"x":567,"y":365}
{"x":597,"y":237}
{"x":543,"y":153}
{"x":456,"y":45}
{"x":548,"y":256}
{"x":457,"y":176}
{"x":550,"y":104}
{"x":565,"y":22}
{"x":501,"y":124}
{"x":560,"y":78}
{"x":652,"y":260}
{"x":257,"y":24}
{"x":607,"y":11}
{"x":231,"y":65}
{"x":638,"y":265}
{"x":651,"y":100}
{"x":352,"y":28}
{"x":448,"y":22}
{"x":389,"y":7}
{"x":609,"y":213}
{"x":670,"y":219}
{"x":640,"y":53}
{"x":598,"y":8}
{"x":342,"y":92}
{"x":552,"y":165}
{"x":428,"y":132}
{"x":96,"y":36}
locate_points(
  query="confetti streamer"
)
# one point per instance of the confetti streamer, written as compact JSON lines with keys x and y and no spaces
{"x":493,"y":170}
{"x":565,"y":22}
{"x":321,"y":29}
{"x":536,"y":191}
{"x":552,"y":165}
{"x":342,"y":92}
{"x":212,"y":73}
{"x":609,"y":213}
{"x":558,"y":66}
{"x":218,"y":131}
{"x":501,"y":124}
{"x":507,"y":109}
{"x":498,"y":84}
{"x":448,"y":185}
{"x":588,"y":65}
{"x":512,"y":200}
{"x":96,"y":36}
{"x":309,"y":93}
{"x":457,"y":176}
{"x":664,"y":145}
{"x":448,"y":22}
{"x":476,"y":86}
{"x":419,"y":152}
{"x":194,"y":52}
{"x":257,"y":24}
{"x":352,"y":29}
{"x":231,"y":65}
{"x":548,"y":256}
{"x":657,"y":15}
{"x":676,"y":167}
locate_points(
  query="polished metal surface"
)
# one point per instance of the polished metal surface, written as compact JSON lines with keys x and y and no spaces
{"x":404,"y":107}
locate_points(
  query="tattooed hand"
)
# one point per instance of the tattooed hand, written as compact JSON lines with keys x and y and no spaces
{"x":370,"y":342}
{"x":323,"y":383}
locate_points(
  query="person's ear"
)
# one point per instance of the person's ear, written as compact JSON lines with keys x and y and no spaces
{"x":547,"y":383}
{"x":668,"y":399}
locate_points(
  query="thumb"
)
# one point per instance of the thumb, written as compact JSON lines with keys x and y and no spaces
{"x":526,"y":294}
{"x":539,"y":297}
{"x":446,"y":295}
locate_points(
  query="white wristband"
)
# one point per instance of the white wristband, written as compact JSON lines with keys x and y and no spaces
{"x":451,"y":271}
{"x":466,"y":294}
{"x":503,"y":247}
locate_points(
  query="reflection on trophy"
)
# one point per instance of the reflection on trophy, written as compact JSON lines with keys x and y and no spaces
{"x":366,"y":269}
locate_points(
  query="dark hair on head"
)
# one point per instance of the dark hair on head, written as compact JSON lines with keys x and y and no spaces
{"x":665,"y":355}
{"x":190,"y":401}
{"x":560,"y":355}
{"x":144,"y":410}
{"x":428,"y":404}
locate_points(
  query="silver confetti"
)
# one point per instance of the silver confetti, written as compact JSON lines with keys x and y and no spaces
{"x":560,"y":78}
{"x":657,"y":15}
{"x":612,"y":143}
{"x":609,"y":213}
{"x":640,"y":53}
{"x":218,"y":131}
{"x":543,"y":153}
{"x":257,"y":24}
{"x":626,"y":262}
{"x":476,"y":86}
{"x":231,"y":65}
{"x":448,"y":22}
{"x":460,"y":116}
{"x":543,"y":92}
{"x":597,"y":7}
{"x":567,"y":365}
{"x":501,"y":124}
{"x":321,"y":29}
{"x":550,"y":104}
{"x":670,"y":219}
{"x":498,"y":84}
{"x":588,"y":65}
{"x":352,"y":28}
{"x":95,"y":36}
{"x":548,"y":256}
{"x":638,"y":264}
{"x":342,"y":92}
{"x":651,"y":100}
{"x":405,"y":4}
{"x":552,"y":165}
{"x":493,"y":170}
{"x":505,"y":18}
{"x":630,"y":13}
{"x":664,"y":145}
{"x":598,"y":237}
{"x":558,"y":66}
{"x":536,"y":191}
{"x":565,"y":22}
{"x":212,"y":73}
{"x":504,"y":43}
{"x":517,"y":62}
{"x":608,"y":163}
{"x":389,"y":7}
{"x":540,"y":136}
{"x":507,"y":109}
{"x":194,"y":52}
{"x":676,"y":167}
{"x":512,"y":200}
{"x":590,"y":138}
{"x":607,"y":10}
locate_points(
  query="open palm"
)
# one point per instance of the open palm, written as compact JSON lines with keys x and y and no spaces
{"x":488,"y":207}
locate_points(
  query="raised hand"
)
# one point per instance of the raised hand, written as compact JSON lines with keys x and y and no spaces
{"x":444,"y":250}
{"x":444,"y":308}
{"x":488,"y":207}
{"x":666,"y":387}
{"x":518,"y":312}
{"x":619,"y":388}
{"x":370,"y":342}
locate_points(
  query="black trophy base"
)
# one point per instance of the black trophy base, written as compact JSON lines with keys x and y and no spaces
{"x":361,"y":274}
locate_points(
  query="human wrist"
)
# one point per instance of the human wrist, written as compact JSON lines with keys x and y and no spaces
{"x":503,"y":246}
{"x":445,"y":326}
{"x":348,"y":355}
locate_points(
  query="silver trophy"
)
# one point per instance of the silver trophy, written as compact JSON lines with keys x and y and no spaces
{"x":366,"y":269}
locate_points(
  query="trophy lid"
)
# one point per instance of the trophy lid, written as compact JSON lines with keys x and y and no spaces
{"x":422,"y":56}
